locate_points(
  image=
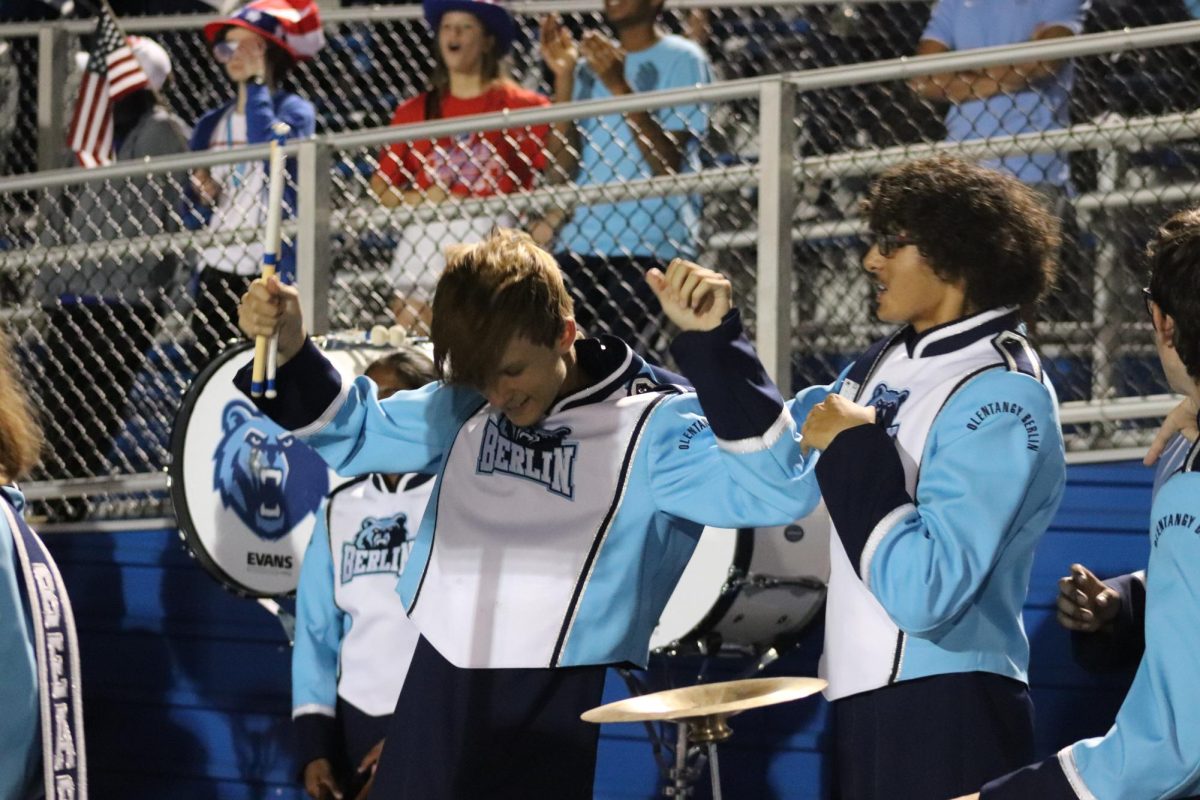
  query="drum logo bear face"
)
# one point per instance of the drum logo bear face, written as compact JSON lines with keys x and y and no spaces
{"x":268,"y":478}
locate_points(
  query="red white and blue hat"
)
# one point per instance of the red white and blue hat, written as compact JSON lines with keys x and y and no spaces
{"x":294,"y":25}
{"x":491,"y":13}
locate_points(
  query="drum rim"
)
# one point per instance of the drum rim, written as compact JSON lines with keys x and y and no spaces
{"x":183,"y":515}
{"x":743,"y":550}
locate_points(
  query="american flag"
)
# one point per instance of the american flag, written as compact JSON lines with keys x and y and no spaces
{"x":112,"y":72}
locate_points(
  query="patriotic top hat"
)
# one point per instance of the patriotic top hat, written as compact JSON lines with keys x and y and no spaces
{"x":294,"y":25}
{"x":491,"y":13}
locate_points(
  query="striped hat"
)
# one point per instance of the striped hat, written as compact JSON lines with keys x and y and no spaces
{"x":294,"y":25}
{"x":491,"y":13}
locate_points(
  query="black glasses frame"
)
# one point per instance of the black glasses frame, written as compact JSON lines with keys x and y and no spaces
{"x":1147,"y":299}
{"x":889,"y":243}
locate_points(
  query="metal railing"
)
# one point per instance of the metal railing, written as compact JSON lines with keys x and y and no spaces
{"x":798,"y":277}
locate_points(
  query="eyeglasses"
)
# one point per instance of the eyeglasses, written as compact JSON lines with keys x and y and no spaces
{"x":1148,"y":298}
{"x":889,"y":243}
{"x":224,"y":51}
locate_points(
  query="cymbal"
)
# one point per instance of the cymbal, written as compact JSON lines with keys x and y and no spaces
{"x":708,"y":699}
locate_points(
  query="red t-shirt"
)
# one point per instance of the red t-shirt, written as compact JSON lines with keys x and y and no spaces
{"x":474,"y":164}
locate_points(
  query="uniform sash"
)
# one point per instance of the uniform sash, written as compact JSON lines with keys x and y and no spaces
{"x":64,"y":762}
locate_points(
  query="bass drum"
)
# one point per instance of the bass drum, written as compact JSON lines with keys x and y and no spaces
{"x":245,"y":491}
{"x":749,"y":590}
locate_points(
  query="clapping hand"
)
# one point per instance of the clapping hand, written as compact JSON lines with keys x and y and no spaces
{"x":607,"y":60}
{"x":559,"y":49}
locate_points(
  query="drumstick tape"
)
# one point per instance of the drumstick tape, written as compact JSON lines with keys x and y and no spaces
{"x":266,"y":348}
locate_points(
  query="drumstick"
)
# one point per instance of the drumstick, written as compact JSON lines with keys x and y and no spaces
{"x":266,"y":348}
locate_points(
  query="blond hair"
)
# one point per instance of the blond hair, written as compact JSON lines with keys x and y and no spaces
{"x":503,"y":287}
{"x":20,"y":434}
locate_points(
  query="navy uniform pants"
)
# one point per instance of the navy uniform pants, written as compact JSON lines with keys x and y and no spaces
{"x":932,"y":738}
{"x":490,"y":734}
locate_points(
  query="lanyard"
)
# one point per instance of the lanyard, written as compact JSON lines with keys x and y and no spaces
{"x":64,"y":761}
{"x":240,"y":168}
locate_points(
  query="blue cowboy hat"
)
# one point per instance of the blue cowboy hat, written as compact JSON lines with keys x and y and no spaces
{"x":492,"y":13}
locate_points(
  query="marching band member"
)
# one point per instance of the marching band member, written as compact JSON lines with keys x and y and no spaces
{"x":41,"y":728}
{"x":353,"y":640}
{"x":1153,"y":749}
{"x":942,"y":464}
{"x":573,"y":479}
{"x":258,"y":45}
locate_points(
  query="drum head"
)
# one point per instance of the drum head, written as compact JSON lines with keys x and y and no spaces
{"x":245,"y":491}
{"x":698,"y":589}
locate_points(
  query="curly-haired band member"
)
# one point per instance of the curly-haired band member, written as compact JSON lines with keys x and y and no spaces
{"x":941,"y":464}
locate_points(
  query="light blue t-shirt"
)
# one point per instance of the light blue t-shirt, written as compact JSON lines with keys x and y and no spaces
{"x":659,"y":227}
{"x":969,"y":24}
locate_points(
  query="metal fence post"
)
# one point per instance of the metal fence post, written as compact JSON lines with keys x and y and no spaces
{"x":52,"y":79}
{"x":314,"y":268}
{"x":776,"y":201}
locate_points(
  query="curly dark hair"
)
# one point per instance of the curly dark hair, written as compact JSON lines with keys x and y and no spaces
{"x":1174,"y":258}
{"x":974,"y":224}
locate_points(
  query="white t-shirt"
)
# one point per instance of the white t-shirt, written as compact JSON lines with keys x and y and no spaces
{"x":242,"y":203}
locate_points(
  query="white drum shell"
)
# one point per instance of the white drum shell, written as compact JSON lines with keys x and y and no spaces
{"x":748,"y":590}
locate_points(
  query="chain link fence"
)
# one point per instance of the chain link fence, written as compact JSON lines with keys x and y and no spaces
{"x":118,"y":283}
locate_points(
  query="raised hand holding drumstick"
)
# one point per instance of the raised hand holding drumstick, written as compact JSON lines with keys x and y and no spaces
{"x":272,"y":308}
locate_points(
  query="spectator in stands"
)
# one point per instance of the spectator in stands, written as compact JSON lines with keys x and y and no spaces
{"x":1013,"y":99}
{"x":1153,"y":749}
{"x":473,"y":38}
{"x":1009,"y":99}
{"x":103,"y":313}
{"x":258,"y":46}
{"x":606,"y":248}
{"x":354,"y":641}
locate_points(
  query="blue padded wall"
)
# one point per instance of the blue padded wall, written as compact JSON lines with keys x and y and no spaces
{"x":186,"y":685}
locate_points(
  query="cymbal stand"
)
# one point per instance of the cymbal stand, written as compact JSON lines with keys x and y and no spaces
{"x":705,"y":731}
{"x":681,"y":776}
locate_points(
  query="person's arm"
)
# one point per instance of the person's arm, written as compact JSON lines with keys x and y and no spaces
{"x":294,"y":111}
{"x":392,"y":195}
{"x":319,"y":624}
{"x":662,"y":149}
{"x":201,"y":191}
{"x":959,"y":87}
{"x":728,"y":456}
{"x":560,"y":52}
{"x":346,"y":423}
{"x":1106,"y":618}
{"x":925,"y":557}
{"x":1011,"y":78}
{"x":394,"y":182}
{"x":1153,"y":749}
{"x":951,"y":87}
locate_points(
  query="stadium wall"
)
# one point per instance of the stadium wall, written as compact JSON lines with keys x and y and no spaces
{"x":186,"y":686}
